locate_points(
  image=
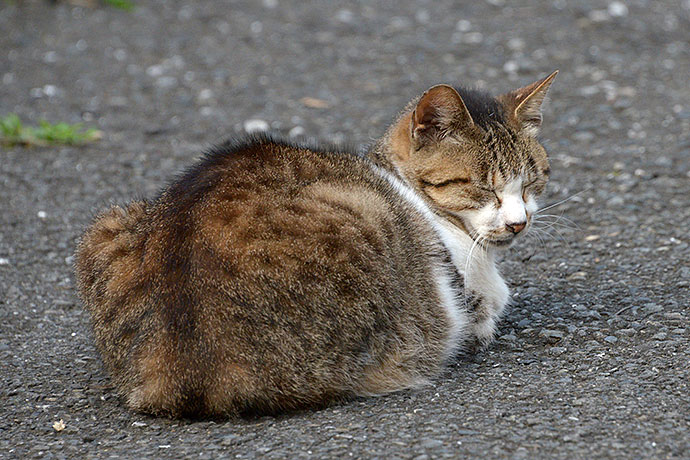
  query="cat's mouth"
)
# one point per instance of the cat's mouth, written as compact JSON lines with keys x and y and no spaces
{"x":503,"y":239}
{"x":496,"y":239}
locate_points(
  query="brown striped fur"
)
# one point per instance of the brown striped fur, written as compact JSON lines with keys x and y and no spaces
{"x":268,"y":278}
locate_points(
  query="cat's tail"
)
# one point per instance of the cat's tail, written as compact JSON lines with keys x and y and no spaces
{"x":112,"y":235}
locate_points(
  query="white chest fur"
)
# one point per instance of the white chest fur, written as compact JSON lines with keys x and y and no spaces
{"x":477,"y":265}
{"x":483,"y":282}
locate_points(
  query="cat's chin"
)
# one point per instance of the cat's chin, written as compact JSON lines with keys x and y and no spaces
{"x":495,"y":241}
{"x":502,"y":243}
{"x":499,"y":242}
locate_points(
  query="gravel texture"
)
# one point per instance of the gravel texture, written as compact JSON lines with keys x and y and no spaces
{"x":593,"y":357}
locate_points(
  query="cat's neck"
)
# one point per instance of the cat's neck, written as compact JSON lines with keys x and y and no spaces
{"x":466,"y":255}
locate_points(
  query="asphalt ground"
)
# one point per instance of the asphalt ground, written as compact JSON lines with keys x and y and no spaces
{"x":593,"y":356}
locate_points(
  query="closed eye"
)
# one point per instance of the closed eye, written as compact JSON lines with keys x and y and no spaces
{"x":535,"y":185}
{"x":455,"y":180}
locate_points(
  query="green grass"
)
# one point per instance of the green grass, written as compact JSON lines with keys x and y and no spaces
{"x":13,"y":132}
{"x":126,"y":5}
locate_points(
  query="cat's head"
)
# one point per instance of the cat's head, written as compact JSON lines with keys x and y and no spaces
{"x":475,"y":158}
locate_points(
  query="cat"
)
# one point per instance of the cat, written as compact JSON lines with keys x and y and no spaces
{"x":273,"y":277}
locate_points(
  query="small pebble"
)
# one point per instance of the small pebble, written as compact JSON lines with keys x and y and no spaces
{"x":510,"y":67}
{"x":617,"y":9}
{"x":552,"y":335}
{"x":345,"y":16}
{"x":205,"y":95}
{"x":255,"y":125}
{"x":611,"y":339}
{"x":463,"y":25}
{"x":557,"y":350}
{"x":599,"y":16}
{"x":296,"y":131}
{"x":650,"y":308}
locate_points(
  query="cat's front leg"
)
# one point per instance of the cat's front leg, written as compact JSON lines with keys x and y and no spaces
{"x":487,"y":305}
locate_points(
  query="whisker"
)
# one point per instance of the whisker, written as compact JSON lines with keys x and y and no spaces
{"x":552,"y":223}
{"x":558,"y":217}
{"x":540,"y":236}
{"x":563,"y":201}
{"x":570,"y":225}
{"x":546,"y":231}
{"x":468,"y":262}
{"x":536,"y":234}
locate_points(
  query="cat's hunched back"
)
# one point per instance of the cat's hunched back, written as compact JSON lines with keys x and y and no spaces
{"x":272,"y":276}
{"x":269,"y":277}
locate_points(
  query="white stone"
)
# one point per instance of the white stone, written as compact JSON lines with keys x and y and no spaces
{"x":154,"y":71}
{"x":120,"y":54}
{"x":510,"y":67}
{"x":463,"y":25}
{"x":166,"y":82}
{"x":345,"y":16}
{"x":50,"y":57}
{"x":599,"y":16}
{"x":255,"y":125}
{"x":205,"y":95}
{"x":422,"y":16}
{"x":617,"y":9}
{"x":256,"y":27}
{"x":473,"y":38}
{"x":50,"y":90}
{"x":296,"y":131}
{"x":516,"y":44}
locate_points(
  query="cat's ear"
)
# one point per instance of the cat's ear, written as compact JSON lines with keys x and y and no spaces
{"x":439,"y":111}
{"x":525,"y":103}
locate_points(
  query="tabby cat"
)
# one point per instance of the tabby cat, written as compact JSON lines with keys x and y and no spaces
{"x":272,"y":277}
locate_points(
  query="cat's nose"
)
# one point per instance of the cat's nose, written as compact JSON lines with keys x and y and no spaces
{"x":516,"y":227}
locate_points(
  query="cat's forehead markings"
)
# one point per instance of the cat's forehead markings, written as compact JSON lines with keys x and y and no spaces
{"x":513,"y":186}
{"x":495,"y":177}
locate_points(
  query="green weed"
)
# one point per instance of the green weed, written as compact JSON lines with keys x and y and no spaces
{"x":13,"y":132}
{"x":126,"y":5}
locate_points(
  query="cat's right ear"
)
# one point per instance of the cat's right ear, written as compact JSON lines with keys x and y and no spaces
{"x":439,"y":111}
{"x":525,"y":104}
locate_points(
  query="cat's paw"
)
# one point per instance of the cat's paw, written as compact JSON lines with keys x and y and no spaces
{"x":485,"y":332}
{"x":476,"y":346}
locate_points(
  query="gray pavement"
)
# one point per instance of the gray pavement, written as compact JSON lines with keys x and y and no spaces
{"x":593,"y":358}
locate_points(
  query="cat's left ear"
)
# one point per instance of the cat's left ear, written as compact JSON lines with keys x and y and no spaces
{"x":439,"y":111}
{"x":524,"y":104}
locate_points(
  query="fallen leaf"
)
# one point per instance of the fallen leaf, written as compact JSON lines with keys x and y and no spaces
{"x":314,"y":103}
{"x":59,"y":425}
